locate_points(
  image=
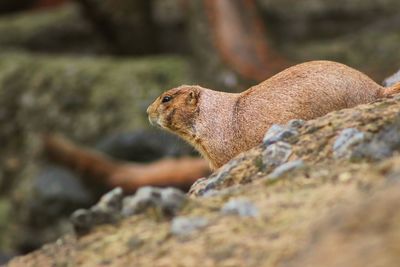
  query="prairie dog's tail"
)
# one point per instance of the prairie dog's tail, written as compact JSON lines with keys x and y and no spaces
{"x":389,"y":91}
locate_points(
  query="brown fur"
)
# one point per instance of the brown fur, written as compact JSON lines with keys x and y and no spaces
{"x":221,"y":125}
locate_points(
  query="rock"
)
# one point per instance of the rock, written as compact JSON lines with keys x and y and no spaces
{"x":392,"y":80}
{"x":241,"y":207}
{"x":243,"y":168}
{"x":110,"y":202}
{"x":332,"y":205}
{"x":55,"y":30}
{"x":285,"y":168}
{"x":383,"y":144}
{"x":312,"y":29}
{"x":127,"y":26}
{"x":276,"y":154}
{"x":82,"y":221}
{"x":168,"y":201}
{"x":278,"y":133}
{"x":60,"y":185}
{"x":144,"y":145}
{"x":57,"y":193}
{"x":107,"y":210}
{"x":85,"y":98}
{"x":223,"y":176}
{"x":346,"y":141}
{"x":172,"y":200}
{"x":183,"y":226}
{"x":4,"y":258}
{"x":295,"y":124}
{"x":112,"y":206}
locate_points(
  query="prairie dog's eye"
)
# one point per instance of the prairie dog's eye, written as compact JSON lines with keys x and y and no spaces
{"x":166,"y":98}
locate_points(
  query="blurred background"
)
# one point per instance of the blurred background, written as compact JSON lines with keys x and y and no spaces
{"x":88,"y":69}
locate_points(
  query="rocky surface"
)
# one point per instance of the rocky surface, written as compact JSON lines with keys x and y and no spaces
{"x":340,"y":207}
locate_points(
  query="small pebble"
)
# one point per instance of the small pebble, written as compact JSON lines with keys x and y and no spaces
{"x":284,"y":168}
{"x":111,"y":200}
{"x":182,"y":226}
{"x":168,"y":200}
{"x":172,"y":199}
{"x":107,"y":210}
{"x":278,"y":133}
{"x":295,"y":124}
{"x":241,"y":207}
{"x":81,"y":219}
{"x":276,"y":154}
{"x":346,"y":140}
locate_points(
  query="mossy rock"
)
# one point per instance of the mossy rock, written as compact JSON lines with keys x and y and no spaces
{"x":83,"y":98}
{"x":362,"y":34}
{"x":378,"y":58}
{"x":310,"y":18}
{"x":61,"y":29}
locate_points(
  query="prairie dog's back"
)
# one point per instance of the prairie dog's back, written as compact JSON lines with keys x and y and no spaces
{"x":304,"y":91}
{"x":310,"y":88}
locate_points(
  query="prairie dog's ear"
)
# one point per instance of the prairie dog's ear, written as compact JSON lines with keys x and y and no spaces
{"x":193,"y":96}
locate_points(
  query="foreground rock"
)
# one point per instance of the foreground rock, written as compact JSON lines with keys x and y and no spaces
{"x":328,"y":204}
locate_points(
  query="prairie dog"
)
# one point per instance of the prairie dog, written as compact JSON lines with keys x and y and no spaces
{"x":221,"y":125}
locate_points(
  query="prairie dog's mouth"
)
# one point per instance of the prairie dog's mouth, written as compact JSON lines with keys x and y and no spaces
{"x":154,"y":121}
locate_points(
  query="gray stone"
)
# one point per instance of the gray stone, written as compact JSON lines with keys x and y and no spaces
{"x":172,"y":200}
{"x":144,"y":145}
{"x":55,"y":183}
{"x":169,"y":201}
{"x":276,"y":154}
{"x":278,"y":133}
{"x":347,"y":139}
{"x":107,"y":210}
{"x":295,"y":124}
{"x":111,"y":201}
{"x":81,"y":218}
{"x":284,"y":168}
{"x":216,"y":179}
{"x":182,"y":226}
{"x":382,"y":145}
{"x":145,"y":197}
{"x":241,"y":207}
{"x":57,"y":193}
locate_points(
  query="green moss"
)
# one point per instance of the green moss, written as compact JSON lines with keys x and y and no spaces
{"x":85,"y":95}
{"x":4,"y":219}
{"x":62,"y":29}
{"x":377,"y":59}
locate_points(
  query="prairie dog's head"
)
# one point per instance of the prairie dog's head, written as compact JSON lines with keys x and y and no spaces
{"x":176,"y":110}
